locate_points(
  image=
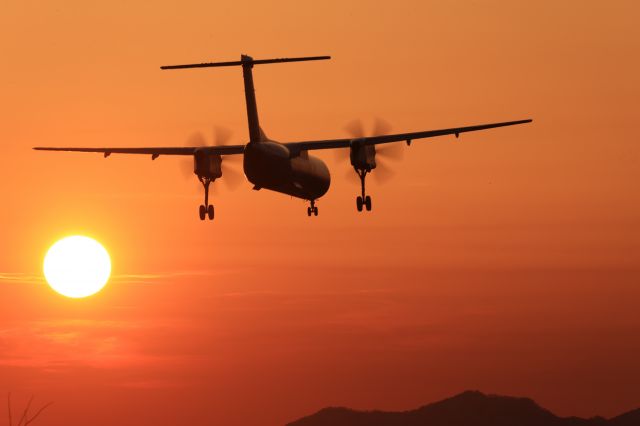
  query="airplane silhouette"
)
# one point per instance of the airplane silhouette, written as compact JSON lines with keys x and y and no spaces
{"x":282,"y":167}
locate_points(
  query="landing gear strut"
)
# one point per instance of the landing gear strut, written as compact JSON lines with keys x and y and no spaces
{"x":312,"y":209}
{"x":206,"y":209}
{"x":363,"y":200}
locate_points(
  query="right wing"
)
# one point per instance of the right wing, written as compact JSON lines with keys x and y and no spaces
{"x":407,"y":137}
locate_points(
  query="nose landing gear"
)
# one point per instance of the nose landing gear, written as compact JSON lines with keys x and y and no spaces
{"x":312,"y":209}
{"x":363,"y":200}
{"x":206,"y":209}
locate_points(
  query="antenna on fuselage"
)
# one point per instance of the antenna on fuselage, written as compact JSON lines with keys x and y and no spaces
{"x":247,"y":63}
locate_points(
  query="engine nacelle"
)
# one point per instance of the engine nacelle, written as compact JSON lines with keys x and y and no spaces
{"x":207,"y":165}
{"x":363,"y":157}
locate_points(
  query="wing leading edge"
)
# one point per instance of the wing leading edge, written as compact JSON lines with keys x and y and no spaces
{"x":408,"y":137}
{"x":154,"y":151}
{"x":294,"y":146}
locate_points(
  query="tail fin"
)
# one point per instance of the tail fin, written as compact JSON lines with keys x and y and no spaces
{"x":247,"y":62}
{"x":263,"y":136}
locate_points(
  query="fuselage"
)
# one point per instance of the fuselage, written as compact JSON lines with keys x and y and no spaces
{"x":271,"y":165}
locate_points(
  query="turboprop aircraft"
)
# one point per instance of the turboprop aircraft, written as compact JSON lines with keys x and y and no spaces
{"x":284,"y":167}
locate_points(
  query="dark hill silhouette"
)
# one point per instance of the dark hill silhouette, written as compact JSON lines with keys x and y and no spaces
{"x":630,"y":418}
{"x":470,"y":408}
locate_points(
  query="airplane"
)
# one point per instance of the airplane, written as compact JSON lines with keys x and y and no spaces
{"x":281,"y":167}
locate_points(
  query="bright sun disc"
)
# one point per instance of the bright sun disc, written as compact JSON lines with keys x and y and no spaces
{"x":77,"y":266}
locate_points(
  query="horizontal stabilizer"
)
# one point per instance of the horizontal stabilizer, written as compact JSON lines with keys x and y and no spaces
{"x":246,"y":61}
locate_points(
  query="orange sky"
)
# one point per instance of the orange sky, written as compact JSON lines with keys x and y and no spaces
{"x":505,"y":261}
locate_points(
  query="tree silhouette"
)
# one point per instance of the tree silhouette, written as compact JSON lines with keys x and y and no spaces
{"x":25,"y":418}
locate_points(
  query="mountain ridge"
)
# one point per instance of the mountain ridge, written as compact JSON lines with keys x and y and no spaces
{"x":469,"y":408}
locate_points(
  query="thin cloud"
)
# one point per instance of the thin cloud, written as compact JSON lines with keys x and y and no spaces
{"x":153,"y":384}
{"x":27,"y":278}
{"x":20,"y":278}
{"x":64,"y":344}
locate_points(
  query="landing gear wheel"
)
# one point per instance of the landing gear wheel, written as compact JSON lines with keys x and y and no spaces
{"x":312,"y":209}
{"x":359,"y":203}
{"x":206,"y":209}
{"x":367,"y":202}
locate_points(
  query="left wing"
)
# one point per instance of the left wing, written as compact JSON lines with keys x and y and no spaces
{"x":154,"y":152}
{"x":408,"y":137}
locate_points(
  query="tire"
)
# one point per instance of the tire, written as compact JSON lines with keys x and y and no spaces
{"x":359,"y":203}
{"x":210,"y":212}
{"x":367,"y":202}
{"x":308,"y":211}
{"x":315,"y":211}
{"x":203,"y":211}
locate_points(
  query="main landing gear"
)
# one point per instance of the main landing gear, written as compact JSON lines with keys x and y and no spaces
{"x":312,"y":209}
{"x":363,"y":200}
{"x":206,"y":209}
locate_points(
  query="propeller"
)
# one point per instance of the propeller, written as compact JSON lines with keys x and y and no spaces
{"x":384,"y":152}
{"x":231,"y":177}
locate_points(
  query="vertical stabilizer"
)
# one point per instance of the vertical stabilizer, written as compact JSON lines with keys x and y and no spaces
{"x":250,"y":97}
{"x":247,"y":62}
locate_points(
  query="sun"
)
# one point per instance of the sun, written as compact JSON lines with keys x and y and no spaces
{"x":77,"y":266}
